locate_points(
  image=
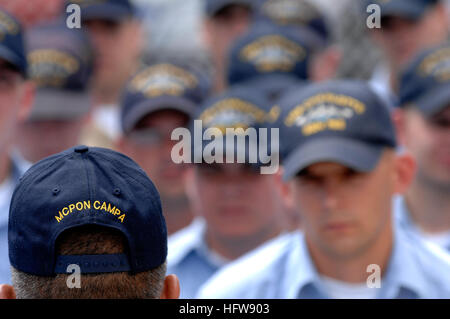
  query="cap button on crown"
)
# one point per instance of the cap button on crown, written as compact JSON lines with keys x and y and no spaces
{"x":81,"y":149}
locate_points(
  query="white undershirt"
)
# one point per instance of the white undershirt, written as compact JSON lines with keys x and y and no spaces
{"x":107,"y":118}
{"x":337,"y":289}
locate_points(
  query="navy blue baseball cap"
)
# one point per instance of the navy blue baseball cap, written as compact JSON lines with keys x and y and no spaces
{"x":270,"y":57}
{"x":341,"y":121}
{"x":425,"y":83}
{"x":412,"y":9}
{"x":114,"y":10}
{"x":61,"y":64}
{"x":295,"y":13}
{"x":239,"y":107}
{"x":212,"y":7}
{"x":85,"y":186}
{"x":162,"y":86}
{"x":12,"y":46}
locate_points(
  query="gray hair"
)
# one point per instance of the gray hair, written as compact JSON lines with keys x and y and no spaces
{"x":145,"y":285}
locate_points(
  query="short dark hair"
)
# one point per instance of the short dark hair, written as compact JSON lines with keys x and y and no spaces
{"x":91,"y":239}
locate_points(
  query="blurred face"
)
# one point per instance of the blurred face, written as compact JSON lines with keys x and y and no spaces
{"x":40,"y":139}
{"x":428,"y":140}
{"x":236,"y":200}
{"x":345,"y":212}
{"x":117,"y":48}
{"x":402,"y":38}
{"x":221,"y":30}
{"x":150,"y":145}
{"x":12,"y":96}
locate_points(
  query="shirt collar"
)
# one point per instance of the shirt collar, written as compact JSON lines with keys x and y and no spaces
{"x":403,"y":274}
{"x":401,"y":212}
{"x":185,"y":241}
{"x":302,"y":279}
{"x":192,"y":240}
{"x":18,"y":167}
{"x":19,"y":164}
{"x":209,"y":255}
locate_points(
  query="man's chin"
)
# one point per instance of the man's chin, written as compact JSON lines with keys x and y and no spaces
{"x":173,"y":200}
{"x":345,"y":248}
{"x":439,"y":179}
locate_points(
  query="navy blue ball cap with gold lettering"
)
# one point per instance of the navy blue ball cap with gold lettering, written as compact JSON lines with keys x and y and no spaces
{"x":425,"y":82}
{"x":271,"y":57}
{"x":85,"y":186}
{"x":12,"y":46}
{"x":410,"y":9}
{"x":112,"y":10}
{"x":340,"y":121}
{"x":60,"y":63}
{"x":163,"y":86}
{"x":239,"y":108}
{"x":303,"y":13}
{"x":213,"y":7}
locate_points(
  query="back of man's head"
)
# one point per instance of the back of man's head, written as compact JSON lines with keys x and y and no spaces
{"x":87,"y":240}
{"x":88,"y":223}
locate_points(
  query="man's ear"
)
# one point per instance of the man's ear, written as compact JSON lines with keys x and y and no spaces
{"x":405,"y":172}
{"x":27,"y":100}
{"x":191,"y":188}
{"x":171,"y":289}
{"x":287,"y":197}
{"x":399,"y":120}
{"x":205,"y":33}
{"x":284,"y":187}
{"x":324,"y":65}
{"x":287,"y":192}
{"x":7,"y":292}
{"x":137,"y":40}
{"x":442,"y":12}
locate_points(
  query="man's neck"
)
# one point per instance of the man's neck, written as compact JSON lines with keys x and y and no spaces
{"x":105,"y":96}
{"x":353,"y":269}
{"x":177,"y":213}
{"x":233,"y":247}
{"x":5,"y":165}
{"x":429,"y":208}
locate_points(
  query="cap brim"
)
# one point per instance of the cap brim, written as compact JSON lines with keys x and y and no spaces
{"x":406,"y":9}
{"x":272,"y":85}
{"x":435,"y":101}
{"x":147,"y":107}
{"x":239,"y":151}
{"x":105,"y":12}
{"x":10,"y":57}
{"x":60,"y":105}
{"x":350,"y":153}
{"x":214,"y":7}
